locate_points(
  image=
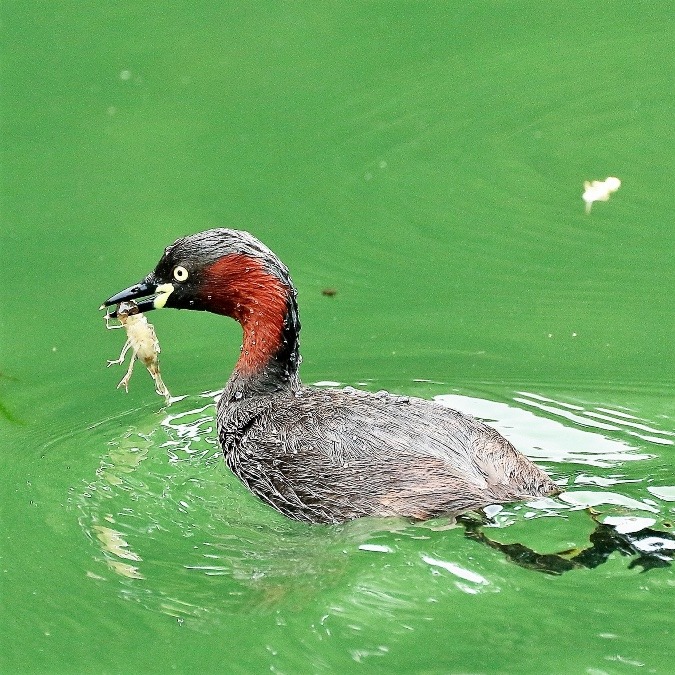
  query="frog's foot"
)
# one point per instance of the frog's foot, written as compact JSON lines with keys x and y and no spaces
{"x":116,"y":362}
{"x":124,"y":382}
{"x":160,"y":387}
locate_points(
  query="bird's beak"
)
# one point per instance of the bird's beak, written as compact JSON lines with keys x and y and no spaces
{"x":158,"y":295}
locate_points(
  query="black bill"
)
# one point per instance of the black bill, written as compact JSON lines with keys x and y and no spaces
{"x":144,"y":290}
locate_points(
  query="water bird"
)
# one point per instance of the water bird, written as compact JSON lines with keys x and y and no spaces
{"x":325,"y":455}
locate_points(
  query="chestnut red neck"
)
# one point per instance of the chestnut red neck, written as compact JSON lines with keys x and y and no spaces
{"x":260,"y":295}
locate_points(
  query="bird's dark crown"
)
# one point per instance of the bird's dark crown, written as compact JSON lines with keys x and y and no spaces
{"x":197,"y":252}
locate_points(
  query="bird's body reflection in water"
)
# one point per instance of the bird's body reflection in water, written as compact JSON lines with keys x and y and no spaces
{"x":649,"y":548}
{"x":597,"y":437}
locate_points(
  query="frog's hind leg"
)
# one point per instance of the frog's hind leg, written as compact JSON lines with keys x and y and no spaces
{"x":120,"y":361}
{"x":160,"y":387}
{"x":124,"y":382}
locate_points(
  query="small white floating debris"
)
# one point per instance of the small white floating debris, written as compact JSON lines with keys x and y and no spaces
{"x":327,"y":383}
{"x":599,"y":190}
{"x":628,"y":524}
{"x":377,"y":548}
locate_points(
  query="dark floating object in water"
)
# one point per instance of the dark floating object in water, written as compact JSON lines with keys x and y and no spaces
{"x":316,"y":455}
{"x":329,"y":292}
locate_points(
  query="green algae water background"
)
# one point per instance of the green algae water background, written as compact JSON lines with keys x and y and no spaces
{"x":425,"y":161}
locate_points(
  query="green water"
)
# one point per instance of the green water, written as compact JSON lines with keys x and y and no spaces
{"x":425,"y":160}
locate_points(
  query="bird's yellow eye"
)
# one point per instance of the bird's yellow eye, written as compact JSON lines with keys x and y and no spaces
{"x":180,"y":273}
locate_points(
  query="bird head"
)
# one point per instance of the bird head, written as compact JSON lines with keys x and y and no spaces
{"x":222,"y":271}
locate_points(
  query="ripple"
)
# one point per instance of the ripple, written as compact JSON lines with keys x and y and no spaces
{"x":665,"y":492}
{"x":543,"y":438}
{"x":585,"y":499}
{"x":566,"y":435}
{"x":458,"y":571}
{"x":628,"y":524}
{"x":182,"y":536}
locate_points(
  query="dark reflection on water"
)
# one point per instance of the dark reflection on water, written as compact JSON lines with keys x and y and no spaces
{"x":181,"y":536}
{"x":648,"y":549}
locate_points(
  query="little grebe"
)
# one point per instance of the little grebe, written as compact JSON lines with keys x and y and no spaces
{"x":316,"y":455}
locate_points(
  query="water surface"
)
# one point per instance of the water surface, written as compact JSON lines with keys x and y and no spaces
{"x":427,"y":163}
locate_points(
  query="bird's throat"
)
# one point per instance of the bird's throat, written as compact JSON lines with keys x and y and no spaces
{"x":264,"y":304}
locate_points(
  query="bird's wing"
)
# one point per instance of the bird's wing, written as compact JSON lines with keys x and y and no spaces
{"x":341,"y":454}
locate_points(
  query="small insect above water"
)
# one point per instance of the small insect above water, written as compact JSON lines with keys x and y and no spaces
{"x":142,"y":340}
{"x":599,"y":190}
